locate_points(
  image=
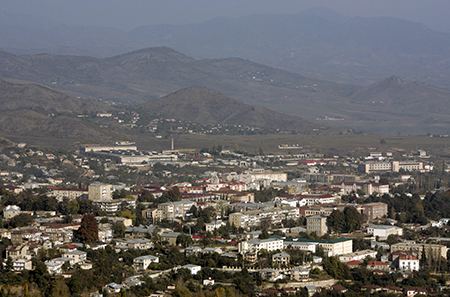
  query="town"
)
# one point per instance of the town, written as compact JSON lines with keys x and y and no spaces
{"x":113,"y":220}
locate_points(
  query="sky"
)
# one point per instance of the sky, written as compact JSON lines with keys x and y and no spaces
{"x":129,"y":14}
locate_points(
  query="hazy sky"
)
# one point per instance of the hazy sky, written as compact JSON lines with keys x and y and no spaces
{"x":129,"y":14}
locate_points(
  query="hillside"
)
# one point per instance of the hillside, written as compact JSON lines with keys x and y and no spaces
{"x":33,"y":110}
{"x":207,"y":107}
{"x":396,"y":105}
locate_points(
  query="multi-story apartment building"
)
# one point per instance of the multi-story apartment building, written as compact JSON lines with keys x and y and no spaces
{"x":373,"y":210}
{"x":432,"y":251}
{"x":273,"y":215}
{"x":270,"y":244}
{"x":100,"y":192}
{"x":367,"y":187}
{"x":317,"y":224}
{"x":332,"y":247}
{"x":72,"y":194}
{"x":394,"y":166}
{"x":172,"y":210}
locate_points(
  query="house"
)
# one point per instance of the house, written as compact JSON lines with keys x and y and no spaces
{"x":213,"y":250}
{"x":170,"y":237}
{"x":54,"y":267}
{"x":413,"y":291}
{"x":17,"y":252}
{"x":311,"y":290}
{"x":22,"y":264}
{"x":408,"y":262}
{"x":112,"y":288}
{"x":378,"y":265}
{"x":393,"y":290}
{"x":299,"y":273}
{"x":11,"y":211}
{"x":270,"y":274}
{"x":208,"y":282}
{"x":142,"y":263}
{"x":371,"y":288}
{"x":192,"y":250}
{"x":339,"y":288}
{"x":281,"y":258}
{"x":76,"y":255}
{"x":194,"y":269}
{"x":353,"y":264}
{"x":359,"y":255}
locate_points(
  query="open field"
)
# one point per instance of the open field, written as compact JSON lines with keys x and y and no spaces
{"x":328,"y":144}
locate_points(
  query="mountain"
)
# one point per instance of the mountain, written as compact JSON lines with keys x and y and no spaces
{"x":391,"y":105}
{"x":151,"y":73}
{"x":207,"y":107}
{"x":317,"y":43}
{"x":396,"y":105}
{"x":33,"y":110}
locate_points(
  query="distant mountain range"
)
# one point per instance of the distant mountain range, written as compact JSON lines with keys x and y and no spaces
{"x":392,"y":105}
{"x":317,"y":43}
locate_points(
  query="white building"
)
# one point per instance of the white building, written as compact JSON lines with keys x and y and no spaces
{"x":270,"y":244}
{"x":194,"y":269}
{"x":408,"y":262}
{"x":214,"y":225}
{"x":142,"y":263}
{"x":359,"y":255}
{"x":304,"y":246}
{"x":383,"y":231}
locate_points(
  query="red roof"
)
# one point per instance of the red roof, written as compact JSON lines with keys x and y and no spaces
{"x":339,"y":288}
{"x":354,"y":263}
{"x":376,"y":263}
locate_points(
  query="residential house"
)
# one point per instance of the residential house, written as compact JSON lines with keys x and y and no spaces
{"x":142,"y":263}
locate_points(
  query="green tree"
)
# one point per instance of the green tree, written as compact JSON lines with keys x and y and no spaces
{"x":21,"y":220}
{"x":184,"y":240}
{"x":119,"y":229}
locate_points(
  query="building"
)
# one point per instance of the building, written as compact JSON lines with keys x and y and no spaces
{"x":373,"y":210}
{"x":11,"y":211}
{"x":300,"y":245}
{"x":299,"y":273}
{"x":383,"y":231}
{"x":394,"y":166}
{"x":317,"y":224}
{"x":142,"y":263}
{"x":281,"y":258}
{"x":71,"y":194}
{"x":270,"y":215}
{"x":367,"y":187}
{"x":100,"y":192}
{"x":172,"y":210}
{"x":76,"y":255}
{"x":210,"y":227}
{"x":170,"y":237}
{"x":359,"y":255}
{"x":194,"y":269}
{"x":332,"y":247}
{"x":432,"y":251}
{"x":270,"y":244}
{"x":408,"y":262}
{"x":378,"y":265}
